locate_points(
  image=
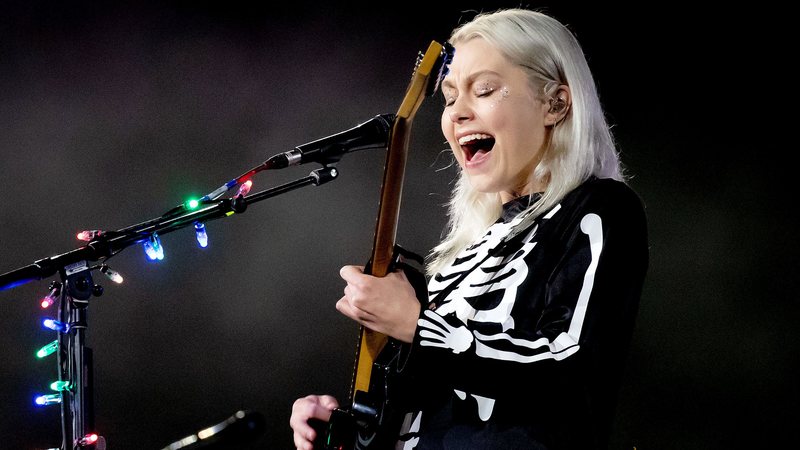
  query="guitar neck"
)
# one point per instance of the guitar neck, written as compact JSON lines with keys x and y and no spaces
{"x":429,"y":69}
{"x":389,"y":210}
{"x":370,"y":342}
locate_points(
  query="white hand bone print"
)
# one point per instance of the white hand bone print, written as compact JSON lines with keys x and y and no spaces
{"x":436,"y":332}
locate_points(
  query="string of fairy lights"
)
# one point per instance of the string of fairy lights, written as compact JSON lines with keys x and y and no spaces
{"x":76,"y":287}
{"x":62,"y":389}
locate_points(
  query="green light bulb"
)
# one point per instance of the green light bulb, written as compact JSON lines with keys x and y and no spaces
{"x":192,"y":203}
{"x":48,"y":349}
{"x":59,"y":386}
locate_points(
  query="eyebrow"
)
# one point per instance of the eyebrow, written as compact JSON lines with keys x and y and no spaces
{"x":447,"y":83}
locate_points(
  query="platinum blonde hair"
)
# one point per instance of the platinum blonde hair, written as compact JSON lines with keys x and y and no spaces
{"x":580,"y":146}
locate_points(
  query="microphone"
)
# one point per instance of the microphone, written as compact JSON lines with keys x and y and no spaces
{"x":370,"y":134}
{"x":240,"y":428}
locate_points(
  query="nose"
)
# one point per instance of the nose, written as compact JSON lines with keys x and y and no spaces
{"x":460,"y":111}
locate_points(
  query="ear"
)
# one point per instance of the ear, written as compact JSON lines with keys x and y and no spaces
{"x":560,"y":104}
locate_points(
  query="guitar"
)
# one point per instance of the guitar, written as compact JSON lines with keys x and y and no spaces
{"x":371,"y":422}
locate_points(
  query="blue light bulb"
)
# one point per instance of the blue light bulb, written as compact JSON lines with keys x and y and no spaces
{"x":200,"y":233}
{"x":55,"y":325}
{"x":50,"y":399}
{"x":153,"y":248}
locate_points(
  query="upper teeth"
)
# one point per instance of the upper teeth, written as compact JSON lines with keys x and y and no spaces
{"x":472,"y":137}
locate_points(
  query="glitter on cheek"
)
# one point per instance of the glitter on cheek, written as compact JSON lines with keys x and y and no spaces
{"x":503,"y":95}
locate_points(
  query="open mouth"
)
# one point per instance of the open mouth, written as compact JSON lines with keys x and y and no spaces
{"x":476,"y":144}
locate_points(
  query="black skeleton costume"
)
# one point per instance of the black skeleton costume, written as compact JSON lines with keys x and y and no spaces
{"x":523,"y":340}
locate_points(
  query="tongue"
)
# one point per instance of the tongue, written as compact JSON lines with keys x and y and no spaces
{"x":479,"y":156}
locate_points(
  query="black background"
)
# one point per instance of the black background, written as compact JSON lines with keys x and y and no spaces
{"x":110,"y":115}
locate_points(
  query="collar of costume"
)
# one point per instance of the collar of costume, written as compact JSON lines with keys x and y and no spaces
{"x":513,"y":208}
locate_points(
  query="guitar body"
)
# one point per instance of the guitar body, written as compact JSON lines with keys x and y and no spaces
{"x":373,"y":419}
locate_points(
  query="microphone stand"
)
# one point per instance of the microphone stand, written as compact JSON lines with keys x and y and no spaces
{"x":74,"y":358}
